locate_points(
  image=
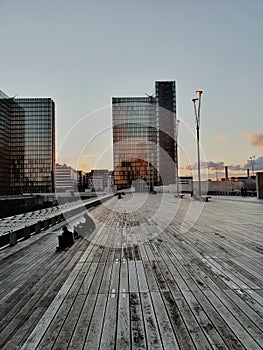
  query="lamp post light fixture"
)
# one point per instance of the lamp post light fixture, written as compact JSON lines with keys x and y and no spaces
{"x":197,"y":108}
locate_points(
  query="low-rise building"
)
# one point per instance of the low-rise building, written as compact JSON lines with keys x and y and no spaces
{"x":100,"y":180}
{"x":259,"y":182}
{"x":66,"y":178}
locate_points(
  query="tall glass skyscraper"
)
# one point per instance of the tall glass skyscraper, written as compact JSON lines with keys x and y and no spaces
{"x":30,"y":151}
{"x":143,"y":138}
{"x":5,"y":142}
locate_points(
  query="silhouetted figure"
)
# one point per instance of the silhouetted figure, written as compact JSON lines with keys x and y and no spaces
{"x":65,"y":239}
{"x":86,"y":227}
{"x":242,"y":191}
{"x":89,"y":223}
{"x":76,"y":234}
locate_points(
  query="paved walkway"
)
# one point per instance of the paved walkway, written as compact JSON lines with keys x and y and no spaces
{"x":157,"y":273}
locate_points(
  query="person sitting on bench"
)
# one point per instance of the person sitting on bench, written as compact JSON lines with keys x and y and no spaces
{"x":65,"y":239}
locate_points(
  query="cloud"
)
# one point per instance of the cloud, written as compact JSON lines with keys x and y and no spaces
{"x":258,"y":164}
{"x":221,"y":137}
{"x":211,"y":165}
{"x":206,"y":165}
{"x":215,"y":165}
{"x":219,"y":167}
{"x":236,"y":167}
{"x":256,"y":139}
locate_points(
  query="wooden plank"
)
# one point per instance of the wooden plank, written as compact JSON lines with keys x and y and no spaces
{"x":177,"y":276}
{"x":247,"y":272}
{"x":85,"y":286}
{"x":249,"y":312}
{"x":27,"y":327}
{"x":40,"y":329}
{"x":240,"y":275}
{"x":136,"y":251}
{"x":159,"y":276}
{"x":110,"y":323}
{"x":177,"y":322}
{"x":118,"y":254}
{"x":115,"y":277}
{"x":137,"y":326}
{"x":96,"y":325}
{"x":96,"y":282}
{"x":106,"y":278}
{"x":168,"y":338}
{"x":151,"y":327}
{"x":253,"y":299}
{"x":41,"y":298}
{"x":241,"y":331}
{"x":142,"y":283}
{"x":124,"y":277}
{"x":169,"y":278}
{"x":133,"y":280}
{"x":232,"y":281}
{"x":63,"y":329}
{"x":79,"y":335}
{"x":123,"y":336}
{"x":211,"y":323}
{"x":194,"y":328}
{"x":151,"y":281}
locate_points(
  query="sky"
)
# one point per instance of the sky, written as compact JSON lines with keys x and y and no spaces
{"x":82,"y":53}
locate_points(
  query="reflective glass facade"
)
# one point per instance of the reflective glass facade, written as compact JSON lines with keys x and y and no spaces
{"x":134,"y":140}
{"x":30,"y":137}
{"x":33,"y":145}
{"x":143,"y":142}
{"x":5,"y":125}
{"x":166,"y":116}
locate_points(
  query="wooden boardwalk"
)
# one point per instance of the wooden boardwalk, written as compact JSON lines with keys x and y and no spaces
{"x":157,"y":273}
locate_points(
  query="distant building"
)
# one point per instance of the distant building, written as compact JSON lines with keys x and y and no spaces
{"x":5,"y":144}
{"x":259,"y":182}
{"x":27,"y":145}
{"x":143,"y":138}
{"x":66,"y":178}
{"x":100,"y":180}
{"x":81,"y":181}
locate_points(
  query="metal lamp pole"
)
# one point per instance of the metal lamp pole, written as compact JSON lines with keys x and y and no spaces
{"x":252,"y":159}
{"x":197,"y":124}
{"x":176,"y":156}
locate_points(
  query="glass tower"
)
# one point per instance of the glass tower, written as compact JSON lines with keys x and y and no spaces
{"x":5,"y":134}
{"x":33,"y":145}
{"x":30,"y":145}
{"x":134,"y":140}
{"x":166,"y":116}
{"x":143,"y":139}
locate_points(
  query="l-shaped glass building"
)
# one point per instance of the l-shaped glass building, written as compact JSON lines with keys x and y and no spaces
{"x":144,"y":145}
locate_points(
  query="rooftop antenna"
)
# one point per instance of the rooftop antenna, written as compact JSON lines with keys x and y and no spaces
{"x":151,"y":96}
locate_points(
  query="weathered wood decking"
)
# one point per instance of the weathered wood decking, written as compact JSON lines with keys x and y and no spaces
{"x":157,"y":273}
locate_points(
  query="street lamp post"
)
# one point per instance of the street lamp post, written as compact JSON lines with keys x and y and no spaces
{"x":176,"y":156}
{"x":197,"y":124}
{"x":252,"y":159}
{"x":152,"y":173}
